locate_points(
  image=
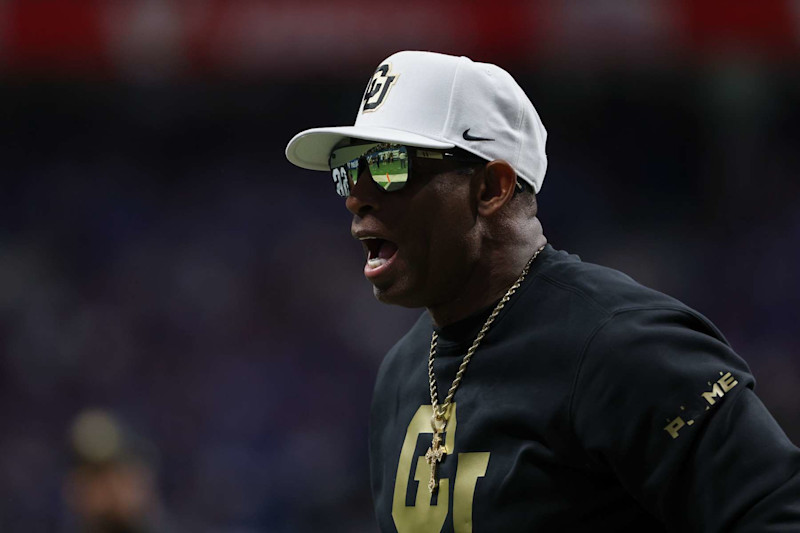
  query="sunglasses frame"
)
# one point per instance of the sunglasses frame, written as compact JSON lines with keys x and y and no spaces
{"x":346,"y":173}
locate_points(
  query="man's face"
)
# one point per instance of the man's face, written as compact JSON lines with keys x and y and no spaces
{"x":114,"y":497}
{"x":421,"y":241}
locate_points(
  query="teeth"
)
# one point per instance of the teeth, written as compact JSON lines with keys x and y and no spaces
{"x":375,"y":263}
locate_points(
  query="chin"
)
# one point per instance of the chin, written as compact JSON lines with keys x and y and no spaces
{"x":393,"y":295}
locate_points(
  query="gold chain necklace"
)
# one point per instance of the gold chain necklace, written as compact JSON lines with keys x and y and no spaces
{"x":441,"y":415}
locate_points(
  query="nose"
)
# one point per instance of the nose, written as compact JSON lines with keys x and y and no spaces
{"x":364,"y":194}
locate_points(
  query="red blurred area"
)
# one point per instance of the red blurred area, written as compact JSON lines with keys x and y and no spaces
{"x":55,"y":35}
{"x":768,"y":27}
{"x":284,"y":38}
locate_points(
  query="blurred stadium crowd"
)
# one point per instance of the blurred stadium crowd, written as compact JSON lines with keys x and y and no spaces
{"x":161,"y":259}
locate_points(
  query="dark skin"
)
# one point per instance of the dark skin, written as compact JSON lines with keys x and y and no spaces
{"x":462,"y":238}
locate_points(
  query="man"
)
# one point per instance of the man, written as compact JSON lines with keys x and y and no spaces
{"x":538,"y":392}
{"x":111,"y":485}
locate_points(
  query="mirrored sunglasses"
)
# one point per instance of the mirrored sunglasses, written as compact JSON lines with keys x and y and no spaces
{"x":389,"y":165}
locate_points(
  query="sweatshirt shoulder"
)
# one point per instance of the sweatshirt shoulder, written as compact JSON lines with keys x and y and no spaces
{"x":607,"y":290}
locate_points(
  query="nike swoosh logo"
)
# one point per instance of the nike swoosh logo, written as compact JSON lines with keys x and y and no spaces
{"x":468,"y":137}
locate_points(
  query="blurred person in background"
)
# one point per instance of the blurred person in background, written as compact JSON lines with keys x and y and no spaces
{"x":112,"y":485}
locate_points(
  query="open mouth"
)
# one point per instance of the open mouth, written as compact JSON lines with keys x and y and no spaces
{"x":379,"y":251}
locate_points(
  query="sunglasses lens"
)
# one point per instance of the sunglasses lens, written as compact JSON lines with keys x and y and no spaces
{"x":387,"y":164}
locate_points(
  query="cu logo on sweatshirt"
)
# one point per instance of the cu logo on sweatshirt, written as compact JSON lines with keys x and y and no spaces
{"x":378,"y":87}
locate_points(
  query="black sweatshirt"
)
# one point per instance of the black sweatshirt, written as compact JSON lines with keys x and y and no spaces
{"x":592,"y":403}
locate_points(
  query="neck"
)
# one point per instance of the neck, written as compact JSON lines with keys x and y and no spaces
{"x":497,"y":270}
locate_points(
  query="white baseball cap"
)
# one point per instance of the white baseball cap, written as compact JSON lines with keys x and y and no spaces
{"x":431,"y":100}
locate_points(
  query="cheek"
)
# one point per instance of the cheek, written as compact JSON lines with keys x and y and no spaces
{"x":452,"y":245}
{"x":440,"y":229}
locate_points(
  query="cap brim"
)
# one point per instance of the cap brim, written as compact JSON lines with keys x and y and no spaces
{"x":311,"y":148}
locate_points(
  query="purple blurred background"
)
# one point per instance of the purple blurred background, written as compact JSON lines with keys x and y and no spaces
{"x":161,"y":258}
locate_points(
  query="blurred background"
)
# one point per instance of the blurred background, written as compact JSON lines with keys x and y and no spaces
{"x":162,"y":261}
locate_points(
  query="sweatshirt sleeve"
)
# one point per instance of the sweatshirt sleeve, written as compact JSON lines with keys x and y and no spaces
{"x":662,"y":402}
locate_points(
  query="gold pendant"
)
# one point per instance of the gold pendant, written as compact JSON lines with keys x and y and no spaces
{"x":436,"y":452}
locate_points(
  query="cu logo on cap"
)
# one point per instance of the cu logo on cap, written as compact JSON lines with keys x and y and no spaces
{"x":378,"y":87}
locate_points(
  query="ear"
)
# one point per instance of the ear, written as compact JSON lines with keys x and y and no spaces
{"x":496,"y":188}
